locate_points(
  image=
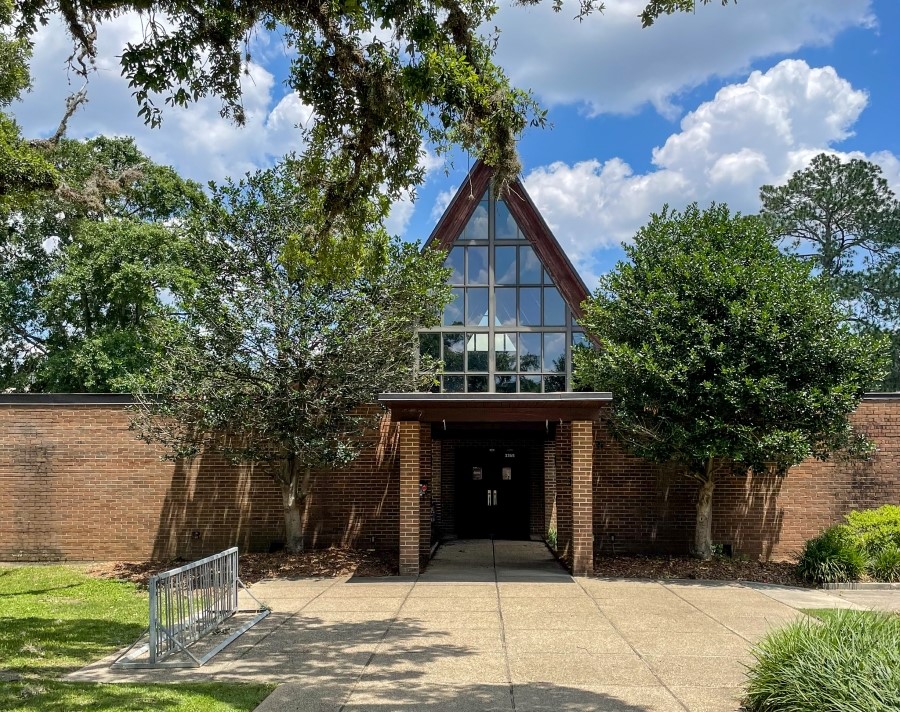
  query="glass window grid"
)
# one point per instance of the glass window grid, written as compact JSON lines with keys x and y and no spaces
{"x":455,"y":377}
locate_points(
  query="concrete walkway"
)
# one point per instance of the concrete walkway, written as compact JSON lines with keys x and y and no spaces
{"x":499,"y":626}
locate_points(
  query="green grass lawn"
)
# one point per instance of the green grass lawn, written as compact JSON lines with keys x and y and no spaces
{"x":56,"y":619}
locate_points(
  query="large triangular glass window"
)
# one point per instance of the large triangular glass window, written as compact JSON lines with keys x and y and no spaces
{"x":508,"y":329}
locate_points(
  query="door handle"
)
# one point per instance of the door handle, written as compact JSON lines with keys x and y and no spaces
{"x":495,"y":498}
{"x":489,"y":498}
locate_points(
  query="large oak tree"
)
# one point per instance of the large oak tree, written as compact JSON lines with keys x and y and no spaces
{"x":91,"y":270}
{"x":379,"y":76}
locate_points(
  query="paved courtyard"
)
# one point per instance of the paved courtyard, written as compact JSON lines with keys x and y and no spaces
{"x":500,"y":626}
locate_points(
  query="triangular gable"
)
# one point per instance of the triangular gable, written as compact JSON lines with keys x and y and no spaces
{"x":530,"y":222}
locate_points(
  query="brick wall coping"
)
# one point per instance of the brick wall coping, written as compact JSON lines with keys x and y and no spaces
{"x":24,"y":399}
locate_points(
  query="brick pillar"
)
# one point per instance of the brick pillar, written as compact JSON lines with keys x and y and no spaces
{"x":409,"y":497}
{"x":582,"y":497}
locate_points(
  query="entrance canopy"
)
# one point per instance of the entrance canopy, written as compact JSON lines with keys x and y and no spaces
{"x":494,"y":407}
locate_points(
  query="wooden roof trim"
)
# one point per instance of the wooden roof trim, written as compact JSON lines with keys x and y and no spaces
{"x":551,"y":254}
{"x":457,"y":214}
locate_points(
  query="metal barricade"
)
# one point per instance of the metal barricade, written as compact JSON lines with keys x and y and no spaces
{"x":188,"y":603}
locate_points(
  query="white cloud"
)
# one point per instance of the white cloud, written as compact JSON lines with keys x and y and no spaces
{"x":754,"y":132}
{"x":609,"y":64}
{"x":442,"y":202}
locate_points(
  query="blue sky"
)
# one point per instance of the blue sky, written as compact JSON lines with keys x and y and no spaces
{"x":699,"y":107}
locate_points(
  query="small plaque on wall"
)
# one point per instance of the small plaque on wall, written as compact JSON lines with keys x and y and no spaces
{"x":507,"y":473}
{"x":476,"y":473}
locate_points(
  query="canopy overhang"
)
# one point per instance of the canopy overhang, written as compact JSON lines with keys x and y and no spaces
{"x":494,"y":407}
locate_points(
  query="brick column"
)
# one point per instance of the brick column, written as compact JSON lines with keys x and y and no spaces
{"x":409,"y":497}
{"x":582,"y":497}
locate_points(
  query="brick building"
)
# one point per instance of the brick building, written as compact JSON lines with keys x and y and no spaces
{"x":505,"y":448}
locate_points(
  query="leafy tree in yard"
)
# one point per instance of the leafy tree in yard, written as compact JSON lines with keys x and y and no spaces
{"x":379,"y":76}
{"x":722,"y":352}
{"x":288,"y":350}
{"x":844,"y":219}
{"x":90,"y":271}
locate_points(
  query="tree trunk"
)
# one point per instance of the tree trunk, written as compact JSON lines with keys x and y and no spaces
{"x":293,"y":519}
{"x":703,"y":531}
{"x":293,"y":494}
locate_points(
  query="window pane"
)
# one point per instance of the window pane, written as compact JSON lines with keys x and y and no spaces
{"x":478,"y":265}
{"x":579,"y":339}
{"x":505,"y":302}
{"x":477,"y":306}
{"x":529,"y":266}
{"x":454,"y":384}
{"x":554,"y":308}
{"x":554,"y":384}
{"x":548,"y":280}
{"x":455,"y":261}
{"x":477,"y":384}
{"x":453,"y":312}
{"x":529,"y":384}
{"x":529,"y":352}
{"x":477,"y":227}
{"x":530,"y":306}
{"x":506,"y":228}
{"x":430,"y":345}
{"x":477,"y":352}
{"x":505,"y":352}
{"x":505,"y":265}
{"x":453,"y":351}
{"x":555,"y":352}
{"x":505,"y":384}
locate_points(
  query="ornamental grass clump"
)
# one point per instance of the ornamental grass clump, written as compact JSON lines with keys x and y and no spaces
{"x":831,"y":557}
{"x":849,"y":662}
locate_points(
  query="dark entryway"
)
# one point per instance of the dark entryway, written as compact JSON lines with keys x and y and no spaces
{"x":492,"y":492}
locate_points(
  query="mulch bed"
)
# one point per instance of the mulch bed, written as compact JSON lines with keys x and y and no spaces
{"x":683,"y":567}
{"x":318,"y":563}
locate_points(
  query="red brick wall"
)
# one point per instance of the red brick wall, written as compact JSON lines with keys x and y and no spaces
{"x":76,"y":484}
{"x":639,"y":507}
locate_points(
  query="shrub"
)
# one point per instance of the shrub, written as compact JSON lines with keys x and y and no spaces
{"x":849,"y":661}
{"x":885,"y":565}
{"x":831,"y":557}
{"x":875,"y":529}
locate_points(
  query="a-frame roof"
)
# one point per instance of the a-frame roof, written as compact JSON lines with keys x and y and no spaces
{"x":532,"y":225}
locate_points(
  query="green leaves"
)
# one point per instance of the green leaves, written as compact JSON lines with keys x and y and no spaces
{"x":716,"y":345}
{"x":290,"y":339}
{"x":91,"y":273}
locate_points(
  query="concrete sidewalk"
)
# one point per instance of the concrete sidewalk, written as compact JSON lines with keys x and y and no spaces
{"x":500,"y":626}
